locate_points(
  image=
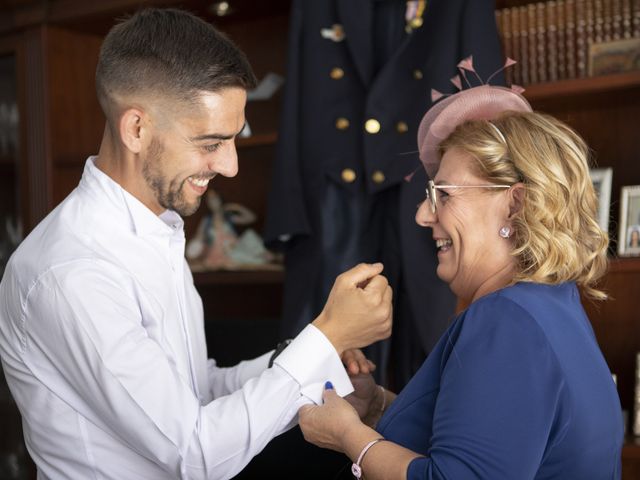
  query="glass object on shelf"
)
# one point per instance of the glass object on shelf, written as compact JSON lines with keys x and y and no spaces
{"x":267,"y":87}
{"x":10,"y":238}
{"x":10,"y":231}
{"x":629,"y":234}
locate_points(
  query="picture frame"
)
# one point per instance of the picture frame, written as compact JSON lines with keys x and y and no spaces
{"x":601,"y":179}
{"x":629,"y":235}
{"x":616,"y":56}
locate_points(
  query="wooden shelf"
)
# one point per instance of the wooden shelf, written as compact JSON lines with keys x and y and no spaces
{"x":624,"y":264}
{"x":7,"y":160}
{"x":631,"y":448}
{"x":582,"y":86}
{"x":238,"y":277}
{"x":97,"y":17}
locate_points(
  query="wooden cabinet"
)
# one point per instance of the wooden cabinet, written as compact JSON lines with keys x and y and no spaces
{"x":55,"y":45}
{"x":56,"y":51}
{"x":616,"y":323}
{"x":604,"y":110}
{"x":14,"y":460}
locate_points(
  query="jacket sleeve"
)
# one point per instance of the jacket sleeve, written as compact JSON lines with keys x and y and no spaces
{"x":286,"y":212}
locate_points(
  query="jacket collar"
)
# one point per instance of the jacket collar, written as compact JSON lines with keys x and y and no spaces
{"x":357,"y":20}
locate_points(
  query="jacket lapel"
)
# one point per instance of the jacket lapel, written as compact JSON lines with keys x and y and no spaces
{"x":357,"y":17}
{"x":413,"y":45}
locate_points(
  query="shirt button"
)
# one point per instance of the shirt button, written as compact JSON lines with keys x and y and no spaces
{"x":402,"y":127}
{"x":378,"y":177}
{"x":417,"y":74}
{"x":336,"y":73}
{"x":372,"y":125}
{"x":348,"y":175}
{"x":342,"y":123}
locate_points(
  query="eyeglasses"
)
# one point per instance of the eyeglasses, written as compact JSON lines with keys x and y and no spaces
{"x":432,"y":187}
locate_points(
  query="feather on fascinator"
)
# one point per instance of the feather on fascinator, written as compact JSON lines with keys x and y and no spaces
{"x":484,"y":102}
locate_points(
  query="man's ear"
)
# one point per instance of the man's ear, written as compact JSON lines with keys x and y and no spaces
{"x":516,"y":199}
{"x":132,"y":127}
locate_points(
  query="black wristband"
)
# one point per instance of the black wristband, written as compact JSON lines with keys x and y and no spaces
{"x":279,"y":348}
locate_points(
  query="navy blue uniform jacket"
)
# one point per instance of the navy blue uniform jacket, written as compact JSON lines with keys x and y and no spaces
{"x":338,"y":195}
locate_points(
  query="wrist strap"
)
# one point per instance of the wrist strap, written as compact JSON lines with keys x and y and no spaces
{"x":356,"y":467}
{"x":279,"y":348}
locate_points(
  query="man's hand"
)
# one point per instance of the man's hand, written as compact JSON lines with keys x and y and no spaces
{"x":358,"y":311}
{"x":366,"y":394}
{"x":355,"y":362}
{"x":366,"y":397}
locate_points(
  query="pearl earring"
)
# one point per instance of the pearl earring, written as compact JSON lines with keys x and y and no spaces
{"x":505,"y":232}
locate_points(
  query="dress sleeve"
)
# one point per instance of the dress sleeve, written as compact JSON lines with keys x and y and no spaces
{"x":85,"y":340}
{"x":498,"y":400}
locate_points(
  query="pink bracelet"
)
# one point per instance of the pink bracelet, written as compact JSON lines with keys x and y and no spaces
{"x":356,"y":468}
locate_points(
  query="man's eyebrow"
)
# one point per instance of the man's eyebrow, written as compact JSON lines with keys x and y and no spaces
{"x":215,"y":136}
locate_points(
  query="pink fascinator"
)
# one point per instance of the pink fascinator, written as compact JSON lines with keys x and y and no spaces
{"x":484,"y":102}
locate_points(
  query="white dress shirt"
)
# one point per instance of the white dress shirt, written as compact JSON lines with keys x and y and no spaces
{"x":102,"y":343}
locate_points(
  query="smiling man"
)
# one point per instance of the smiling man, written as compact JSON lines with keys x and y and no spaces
{"x":101,"y":328}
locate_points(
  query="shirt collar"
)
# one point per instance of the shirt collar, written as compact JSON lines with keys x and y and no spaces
{"x":143,"y":220}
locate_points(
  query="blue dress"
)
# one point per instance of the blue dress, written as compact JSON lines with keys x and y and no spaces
{"x":515,"y":389}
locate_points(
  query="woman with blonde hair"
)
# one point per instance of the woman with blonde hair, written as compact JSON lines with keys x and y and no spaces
{"x":517,"y":387}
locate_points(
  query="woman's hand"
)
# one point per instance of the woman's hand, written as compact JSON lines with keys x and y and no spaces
{"x":325,"y":425}
{"x":366,"y":398}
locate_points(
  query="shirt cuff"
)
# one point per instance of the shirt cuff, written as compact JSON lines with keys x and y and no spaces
{"x":311,"y":360}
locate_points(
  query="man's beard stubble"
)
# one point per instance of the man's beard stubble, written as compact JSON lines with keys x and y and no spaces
{"x":168,"y":193}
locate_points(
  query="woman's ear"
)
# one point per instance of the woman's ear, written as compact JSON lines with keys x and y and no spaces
{"x":131,"y":128}
{"x":516,"y":199}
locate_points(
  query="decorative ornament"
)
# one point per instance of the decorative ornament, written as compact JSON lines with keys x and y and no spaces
{"x":466,"y":65}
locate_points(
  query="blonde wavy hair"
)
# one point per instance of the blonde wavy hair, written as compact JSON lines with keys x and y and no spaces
{"x":557,"y":237}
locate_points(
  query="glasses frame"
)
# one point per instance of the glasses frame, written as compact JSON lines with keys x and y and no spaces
{"x":432,"y":187}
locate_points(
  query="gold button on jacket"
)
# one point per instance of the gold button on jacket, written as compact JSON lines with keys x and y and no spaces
{"x":348,"y":175}
{"x":342,"y":123}
{"x":417,"y":74}
{"x":378,"y":176}
{"x":336,"y":73}
{"x":372,"y":125}
{"x":402,"y":127}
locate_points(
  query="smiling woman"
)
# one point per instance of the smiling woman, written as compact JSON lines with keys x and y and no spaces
{"x":517,"y":386}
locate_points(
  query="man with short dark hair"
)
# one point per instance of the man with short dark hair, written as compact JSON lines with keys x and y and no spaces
{"x":101,"y":328}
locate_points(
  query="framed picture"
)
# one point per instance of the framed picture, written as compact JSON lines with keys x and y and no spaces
{"x":614,"y":57}
{"x":601,"y":178}
{"x":629,"y":237}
